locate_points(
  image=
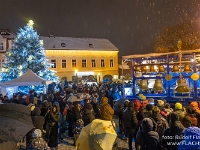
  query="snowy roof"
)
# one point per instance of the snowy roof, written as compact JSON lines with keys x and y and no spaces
{"x":160,"y":54}
{"x":68,"y":43}
{"x":6,"y":33}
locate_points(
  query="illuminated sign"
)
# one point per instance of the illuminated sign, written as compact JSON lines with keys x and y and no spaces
{"x":85,"y":73}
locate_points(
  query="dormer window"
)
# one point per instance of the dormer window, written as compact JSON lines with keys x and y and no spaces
{"x":91,"y":46}
{"x":63,"y":44}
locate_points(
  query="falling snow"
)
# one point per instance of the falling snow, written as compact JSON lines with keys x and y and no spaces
{"x":131,"y":25}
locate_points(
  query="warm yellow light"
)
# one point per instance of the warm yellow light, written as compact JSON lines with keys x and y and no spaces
{"x":76,"y":71}
{"x":30,"y":23}
{"x":99,"y":74}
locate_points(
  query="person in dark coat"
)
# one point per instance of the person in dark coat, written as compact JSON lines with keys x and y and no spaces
{"x":52,"y":118}
{"x":96,"y":109}
{"x":76,"y":110}
{"x":146,"y":137}
{"x":161,"y":123}
{"x":37,"y":120}
{"x":176,"y":128}
{"x":88,"y":116}
{"x":147,"y":112}
{"x":130,"y":123}
{"x":120,"y":115}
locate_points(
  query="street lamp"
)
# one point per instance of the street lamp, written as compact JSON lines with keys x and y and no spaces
{"x":99,"y":76}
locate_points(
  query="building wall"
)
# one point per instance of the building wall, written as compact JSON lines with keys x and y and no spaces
{"x":79,"y":55}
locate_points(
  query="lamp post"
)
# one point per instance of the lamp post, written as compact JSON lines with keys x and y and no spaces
{"x":99,"y":76}
{"x":76,"y":71}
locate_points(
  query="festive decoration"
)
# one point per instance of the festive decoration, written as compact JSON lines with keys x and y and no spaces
{"x":28,"y":53}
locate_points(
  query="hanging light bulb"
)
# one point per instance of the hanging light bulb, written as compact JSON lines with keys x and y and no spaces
{"x":30,"y":57}
{"x":41,"y":42}
{"x":20,"y":67}
{"x":21,"y":73}
{"x":41,"y":74}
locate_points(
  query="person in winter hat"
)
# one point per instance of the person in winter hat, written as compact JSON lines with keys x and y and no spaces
{"x":37,"y":143}
{"x":176,"y":129}
{"x":106,"y":110}
{"x":195,"y":106}
{"x":146,"y":137}
{"x":192,"y":140}
{"x":179,"y":110}
{"x":190,"y":119}
{"x":160,"y":104}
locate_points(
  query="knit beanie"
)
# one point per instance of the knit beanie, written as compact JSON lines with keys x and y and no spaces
{"x":178,"y":106}
{"x":167,"y":106}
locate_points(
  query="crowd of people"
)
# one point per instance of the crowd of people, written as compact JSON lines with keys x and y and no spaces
{"x":159,"y":126}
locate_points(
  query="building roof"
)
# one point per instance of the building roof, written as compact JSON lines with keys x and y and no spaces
{"x":6,"y":33}
{"x":68,"y":43}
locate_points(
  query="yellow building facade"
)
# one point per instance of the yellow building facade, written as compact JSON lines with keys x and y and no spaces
{"x":74,"y":58}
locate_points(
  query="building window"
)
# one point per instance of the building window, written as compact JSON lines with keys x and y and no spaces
{"x":111,"y":63}
{"x":74,"y":63}
{"x":93,"y":63}
{"x":102,"y":63}
{"x":1,"y":46}
{"x":84,"y":63}
{"x":64,"y":63}
{"x":13,"y":45}
{"x":1,"y":63}
{"x":53,"y":62}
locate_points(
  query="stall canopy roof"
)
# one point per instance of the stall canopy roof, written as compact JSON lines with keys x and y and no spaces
{"x":27,"y":79}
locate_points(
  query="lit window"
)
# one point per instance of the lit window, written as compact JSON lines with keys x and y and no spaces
{"x":64,"y":64}
{"x":93,"y":63}
{"x":1,"y":63}
{"x":102,"y":63}
{"x":111,"y":63}
{"x":74,"y":63}
{"x":1,"y":46}
{"x":53,"y":62}
{"x":84,"y":63}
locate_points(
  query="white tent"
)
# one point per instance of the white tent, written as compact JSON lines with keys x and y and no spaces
{"x":27,"y":79}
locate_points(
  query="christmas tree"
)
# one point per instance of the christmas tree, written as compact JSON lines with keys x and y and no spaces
{"x":28,"y":53}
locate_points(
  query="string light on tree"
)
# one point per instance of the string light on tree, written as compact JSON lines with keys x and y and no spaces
{"x":27,"y":54}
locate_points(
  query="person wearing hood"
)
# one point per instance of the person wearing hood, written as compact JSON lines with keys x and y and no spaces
{"x":176,"y":129}
{"x":130,"y":123}
{"x":191,"y":142}
{"x":87,"y":115}
{"x":106,"y":110}
{"x":37,"y":120}
{"x":52,"y":117}
{"x":146,"y":137}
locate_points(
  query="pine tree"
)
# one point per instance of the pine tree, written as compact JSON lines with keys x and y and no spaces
{"x":28,"y":53}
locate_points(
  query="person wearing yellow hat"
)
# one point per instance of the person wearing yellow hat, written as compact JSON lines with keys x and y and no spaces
{"x":179,"y":110}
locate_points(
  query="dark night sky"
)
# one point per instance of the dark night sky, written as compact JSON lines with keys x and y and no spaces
{"x":131,"y":25}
